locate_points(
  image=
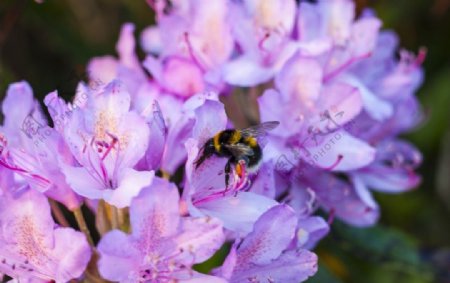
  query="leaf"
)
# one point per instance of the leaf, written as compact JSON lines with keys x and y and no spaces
{"x":379,"y":244}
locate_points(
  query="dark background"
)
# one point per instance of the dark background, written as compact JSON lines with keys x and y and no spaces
{"x":49,"y":45}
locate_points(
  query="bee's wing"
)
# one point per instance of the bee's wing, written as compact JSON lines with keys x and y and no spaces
{"x":259,"y":130}
{"x":239,"y":149}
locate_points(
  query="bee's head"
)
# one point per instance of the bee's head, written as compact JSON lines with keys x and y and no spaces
{"x":207,"y":151}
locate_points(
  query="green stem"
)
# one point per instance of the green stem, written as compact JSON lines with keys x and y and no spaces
{"x":82,"y":224}
{"x":115,"y":218}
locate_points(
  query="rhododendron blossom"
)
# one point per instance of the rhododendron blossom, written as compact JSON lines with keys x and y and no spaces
{"x":126,"y":146}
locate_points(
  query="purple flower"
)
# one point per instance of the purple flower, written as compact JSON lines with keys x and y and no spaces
{"x":32,"y":248}
{"x":199,"y":117}
{"x":28,"y":146}
{"x":192,"y":42}
{"x":393,"y":169}
{"x":205,"y":193}
{"x":104,"y":140}
{"x":262,"y":29}
{"x":318,"y":112}
{"x":163,"y":246}
{"x":341,"y":198}
{"x":329,"y":78}
{"x":263,"y":256}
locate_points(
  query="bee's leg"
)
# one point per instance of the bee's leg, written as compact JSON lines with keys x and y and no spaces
{"x":227,"y":173}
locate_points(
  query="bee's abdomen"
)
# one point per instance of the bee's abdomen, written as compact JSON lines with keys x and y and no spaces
{"x":253,"y":160}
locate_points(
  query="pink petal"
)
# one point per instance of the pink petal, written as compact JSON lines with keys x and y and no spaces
{"x":210,"y":119}
{"x":237,"y":213}
{"x":102,"y":69}
{"x":202,"y":278}
{"x":136,"y":142}
{"x":300,"y":79}
{"x":291,"y":266}
{"x":342,"y":102}
{"x":271,"y":235}
{"x":273,"y":108}
{"x":126,"y":47}
{"x":339,"y":151}
{"x":175,"y":152}
{"x":73,"y":253}
{"x":340,"y":198}
{"x":363,"y":191}
{"x":246,"y":72}
{"x":155,"y":213}
{"x":151,"y":40}
{"x":131,"y":182}
{"x":310,"y":231}
{"x":377,"y":108}
{"x":17,"y":94}
{"x":118,"y":256}
{"x":200,"y":236}
{"x":157,"y":139}
{"x":264,"y":183}
{"x":83,"y":182}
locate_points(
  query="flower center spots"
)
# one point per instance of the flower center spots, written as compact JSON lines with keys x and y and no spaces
{"x":30,"y":241}
{"x":156,"y":268}
{"x":104,"y":140}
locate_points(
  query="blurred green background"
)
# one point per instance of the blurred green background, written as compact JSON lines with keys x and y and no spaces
{"x":49,"y":45}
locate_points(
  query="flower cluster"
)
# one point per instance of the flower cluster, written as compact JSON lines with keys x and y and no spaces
{"x":127,"y":147}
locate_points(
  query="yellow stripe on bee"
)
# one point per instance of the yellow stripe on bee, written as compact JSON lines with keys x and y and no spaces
{"x":216,"y":142}
{"x":235,"y":137}
{"x":251,"y":141}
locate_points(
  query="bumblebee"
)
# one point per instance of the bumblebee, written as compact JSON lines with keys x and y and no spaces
{"x":238,"y":146}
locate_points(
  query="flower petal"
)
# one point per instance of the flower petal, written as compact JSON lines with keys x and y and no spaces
{"x":202,"y":278}
{"x":245,"y":72}
{"x":271,"y":235}
{"x":73,"y":253}
{"x":300,"y":78}
{"x":151,"y":40}
{"x":340,"y":198}
{"x":310,"y":231}
{"x":131,"y":182}
{"x":82,"y":182}
{"x":118,"y":256}
{"x":17,"y":94}
{"x":377,"y":108}
{"x":126,"y":47}
{"x":273,"y":108}
{"x":393,"y":170}
{"x":238,"y":213}
{"x":102,"y":69}
{"x":291,"y":266}
{"x":155,"y":212}
{"x":342,"y":102}
{"x":135,"y":142}
{"x":200,"y":236}
{"x":339,"y":151}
